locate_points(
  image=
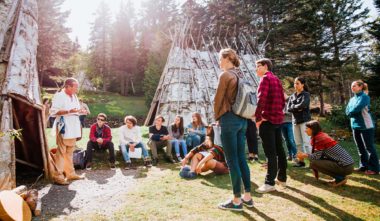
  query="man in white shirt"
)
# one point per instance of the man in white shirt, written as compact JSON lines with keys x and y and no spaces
{"x":65,"y":107}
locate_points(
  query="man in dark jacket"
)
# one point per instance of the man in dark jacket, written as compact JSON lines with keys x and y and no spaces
{"x":100,"y":138}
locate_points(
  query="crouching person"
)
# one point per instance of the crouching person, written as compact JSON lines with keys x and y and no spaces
{"x":130,"y":138}
{"x":328,"y":156}
{"x":100,"y":138}
{"x":204,"y":157}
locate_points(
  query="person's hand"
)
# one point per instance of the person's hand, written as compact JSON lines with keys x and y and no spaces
{"x":184,"y":162}
{"x":82,"y":111}
{"x":132,"y":147}
{"x":74,"y":110}
{"x":260,"y":122}
{"x":99,"y":140}
{"x":301,"y":156}
{"x":191,"y":130}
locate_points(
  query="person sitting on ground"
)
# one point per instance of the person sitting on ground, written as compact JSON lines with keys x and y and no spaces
{"x":196,"y":131}
{"x":327,"y":155}
{"x":130,"y":138}
{"x":159,"y":138}
{"x":176,"y":133}
{"x":100,"y":138}
{"x":204,"y":157}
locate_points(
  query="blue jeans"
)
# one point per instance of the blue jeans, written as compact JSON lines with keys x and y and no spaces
{"x":193,"y":140}
{"x":287,"y":133}
{"x":176,"y":144}
{"x":125,"y":150}
{"x":365,"y":141}
{"x":233,"y":129}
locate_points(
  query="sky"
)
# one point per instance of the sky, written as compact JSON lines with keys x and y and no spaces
{"x":82,"y":15}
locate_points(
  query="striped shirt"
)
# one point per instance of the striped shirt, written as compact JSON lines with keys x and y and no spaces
{"x":271,"y":100}
{"x":336,"y":153}
{"x":216,"y":151}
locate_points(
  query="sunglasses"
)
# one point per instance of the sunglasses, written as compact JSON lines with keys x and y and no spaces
{"x":101,"y":119}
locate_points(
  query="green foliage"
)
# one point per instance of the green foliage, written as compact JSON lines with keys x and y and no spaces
{"x":338,"y":117}
{"x":13,"y":133}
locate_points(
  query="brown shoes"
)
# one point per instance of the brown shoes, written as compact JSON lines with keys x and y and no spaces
{"x":341,"y":183}
{"x":60,"y":181}
{"x":75,"y":177}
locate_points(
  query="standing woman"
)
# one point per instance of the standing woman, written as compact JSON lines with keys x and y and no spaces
{"x":363,"y":128}
{"x":233,"y":129}
{"x":298,"y":105}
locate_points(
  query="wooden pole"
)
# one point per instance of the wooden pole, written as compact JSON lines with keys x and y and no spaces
{"x":44,"y":147}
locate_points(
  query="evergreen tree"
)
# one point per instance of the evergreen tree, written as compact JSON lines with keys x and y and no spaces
{"x":373,"y":63}
{"x":124,"y":49}
{"x":100,"y":46}
{"x":54,"y":44}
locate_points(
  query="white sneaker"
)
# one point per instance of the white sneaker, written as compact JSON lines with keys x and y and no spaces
{"x":265,"y":188}
{"x":280,"y":183}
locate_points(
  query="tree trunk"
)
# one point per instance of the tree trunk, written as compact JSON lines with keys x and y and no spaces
{"x":321,"y":100}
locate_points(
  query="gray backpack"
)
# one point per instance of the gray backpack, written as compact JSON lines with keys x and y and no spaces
{"x":246,"y":98}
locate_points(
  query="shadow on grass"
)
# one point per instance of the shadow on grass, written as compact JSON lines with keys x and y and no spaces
{"x":259,"y":213}
{"x":354,"y":192}
{"x":326,"y":216}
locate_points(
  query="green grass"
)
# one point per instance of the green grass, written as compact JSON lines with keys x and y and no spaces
{"x":112,"y":104}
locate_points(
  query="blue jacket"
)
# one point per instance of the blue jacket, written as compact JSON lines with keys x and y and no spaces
{"x":358,"y":111}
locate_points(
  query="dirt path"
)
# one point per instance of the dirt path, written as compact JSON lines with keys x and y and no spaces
{"x":101,"y":192}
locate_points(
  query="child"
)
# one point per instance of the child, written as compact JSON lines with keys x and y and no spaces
{"x":327,"y":155}
{"x":204,"y":157}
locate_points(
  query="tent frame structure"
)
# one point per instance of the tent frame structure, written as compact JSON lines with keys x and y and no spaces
{"x":189,"y":79}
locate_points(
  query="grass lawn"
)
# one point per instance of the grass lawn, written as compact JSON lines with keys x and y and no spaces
{"x":112,"y":104}
{"x":163,"y":195}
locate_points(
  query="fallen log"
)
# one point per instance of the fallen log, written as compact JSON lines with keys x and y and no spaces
{"x":13,"y":207}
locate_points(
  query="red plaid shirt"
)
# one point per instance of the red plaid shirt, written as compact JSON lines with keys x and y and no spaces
{"x":271,"y":100}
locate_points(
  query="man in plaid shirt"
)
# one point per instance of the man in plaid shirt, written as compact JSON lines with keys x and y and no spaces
{"x":269,"y":116}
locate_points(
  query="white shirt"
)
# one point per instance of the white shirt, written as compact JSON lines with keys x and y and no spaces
{"x":62,"y":101}
{"x":130,"y":135}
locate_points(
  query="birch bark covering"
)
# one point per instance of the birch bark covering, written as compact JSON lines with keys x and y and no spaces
{"x":18,"y":77}
{"x":190,"y":78}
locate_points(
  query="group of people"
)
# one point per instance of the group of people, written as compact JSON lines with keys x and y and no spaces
{"x":277,"y":117}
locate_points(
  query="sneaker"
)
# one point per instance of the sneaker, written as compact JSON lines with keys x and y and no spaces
{"x":171,"y":160}
{"x":154,"y":161}
{"x":179,"y":158}
{"x":229,"y":205}
{"x":112,"y":166}
{"x":266,"y":188}
{"x":248,"y":203}
{"x":88,"y":166}
{"x":370,"y":172}
{"x":128,"y":165}
{"x":280,"y":183}
{"x":299,"y":164}
{"x":147,"y":163}
{"x":290,"y":158}
{"x":256,"y":159}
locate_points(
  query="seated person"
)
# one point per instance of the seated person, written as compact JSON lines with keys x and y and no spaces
{"x":204,"y":157}
{"x":176,"y":133}
{"x":159,"y":138}
{"x":130,"y":138}
{"x":196,"y":131}
{"x":100,"y":138}
{"x":328,"y":156}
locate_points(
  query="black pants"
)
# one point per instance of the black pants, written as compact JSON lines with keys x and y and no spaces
{"x":94,"y":145}
{"x":272,"y":143}
{"x":331,"y":168}
{"x":251,"y":135}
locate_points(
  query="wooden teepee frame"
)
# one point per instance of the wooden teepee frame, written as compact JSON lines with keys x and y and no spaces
{"x":20,"y":101}
{"x":189,"y":80}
